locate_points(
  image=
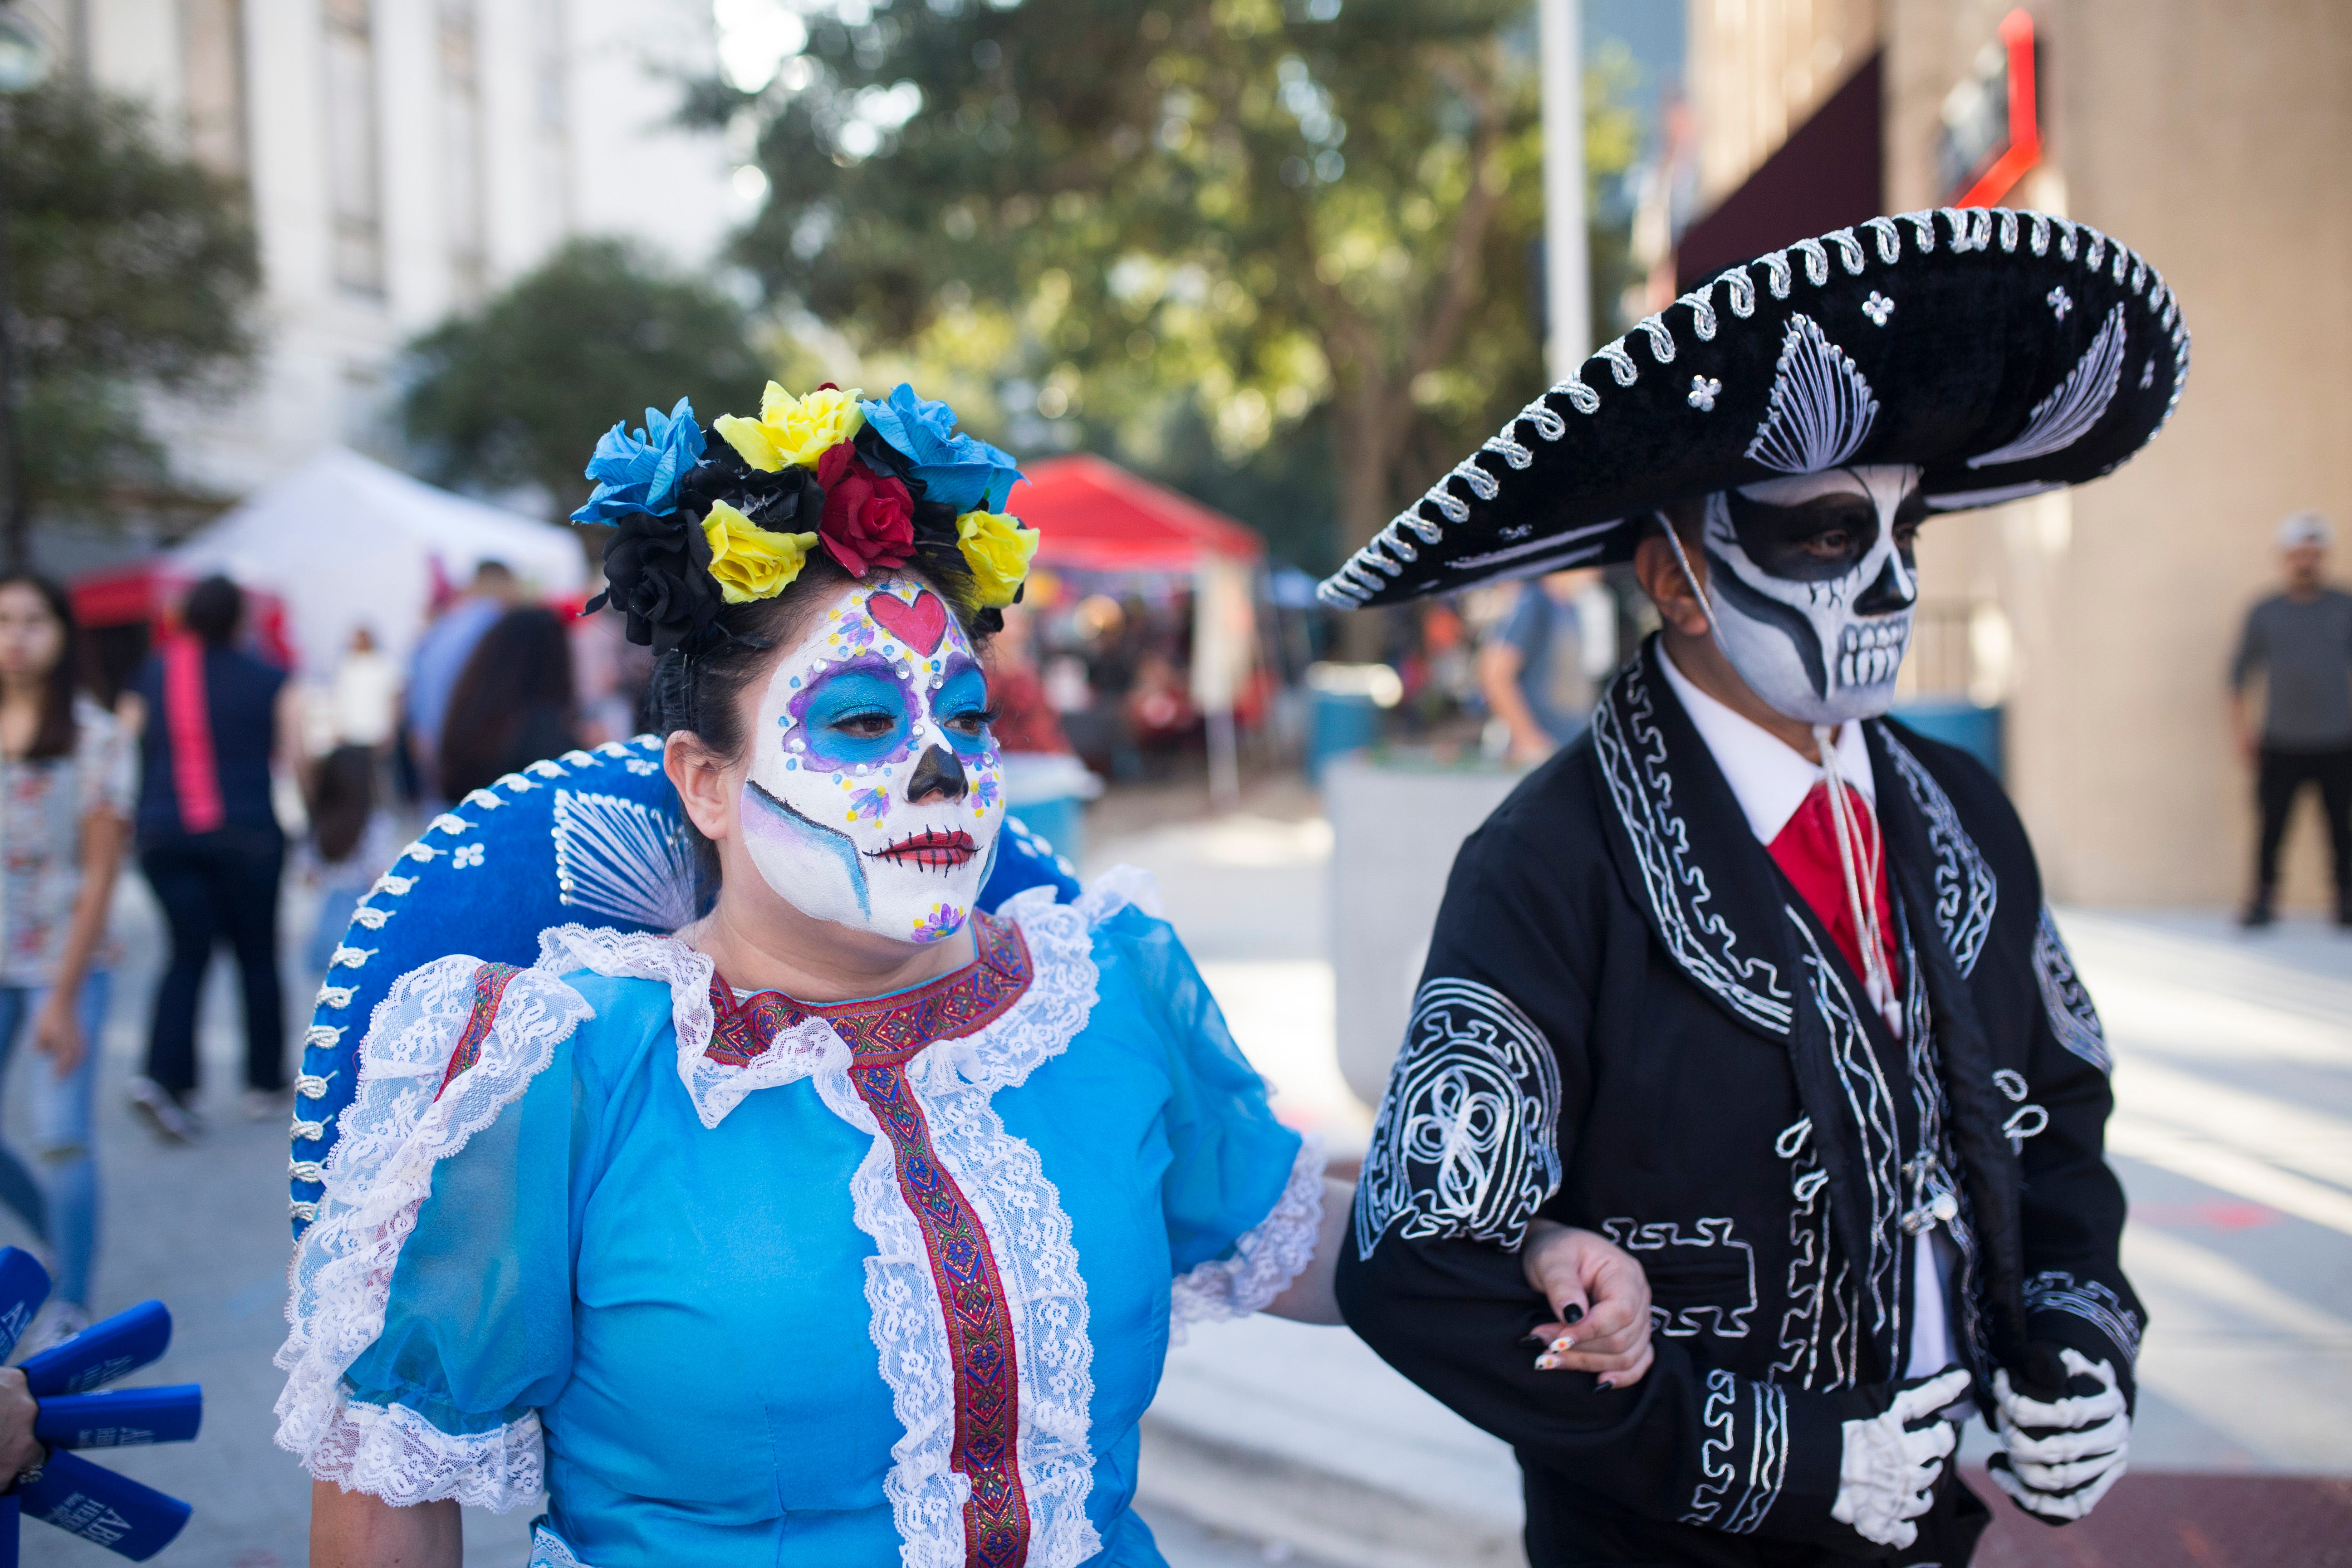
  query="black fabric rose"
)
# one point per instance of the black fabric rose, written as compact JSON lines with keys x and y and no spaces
{"x":657,"y":575}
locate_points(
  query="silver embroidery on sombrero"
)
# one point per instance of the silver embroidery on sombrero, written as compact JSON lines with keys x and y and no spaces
{"x":1821,"y":408}
{"x":2073,"y":406}
{"x":1632,"y":751}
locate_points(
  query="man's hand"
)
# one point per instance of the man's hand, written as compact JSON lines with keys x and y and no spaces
{"x":1601,"y":1299}
{"x":2060,"y":1455}
{"x":19,"y":1451}
{"x":1892,"y":1461}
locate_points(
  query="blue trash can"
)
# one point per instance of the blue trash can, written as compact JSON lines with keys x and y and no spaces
{"x":1344,"y":706}
{"x":1974,"y":729}
{"x":1048,"y":792}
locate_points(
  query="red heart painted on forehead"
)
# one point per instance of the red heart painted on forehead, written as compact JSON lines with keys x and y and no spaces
{"x":919,"y":625}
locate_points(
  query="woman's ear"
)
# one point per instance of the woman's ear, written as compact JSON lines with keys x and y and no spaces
{"x":702,"y":784}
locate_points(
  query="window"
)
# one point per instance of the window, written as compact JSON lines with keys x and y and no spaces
{"x":357,"y":184}
{"x":212,"y":55}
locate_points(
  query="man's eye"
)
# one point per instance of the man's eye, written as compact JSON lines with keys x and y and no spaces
{"x":1830,"y":544}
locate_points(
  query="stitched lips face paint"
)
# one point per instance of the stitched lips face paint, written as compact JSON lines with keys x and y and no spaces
{"x":875,"y":791}
{"x":1810,"y":582}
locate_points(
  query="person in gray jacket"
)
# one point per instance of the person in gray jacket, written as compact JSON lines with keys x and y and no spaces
{"x":2301,"y":642}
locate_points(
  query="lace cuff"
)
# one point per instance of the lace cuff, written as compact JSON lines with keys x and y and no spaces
{"x":390,"y":1452}
{"x":1266,"y":1258}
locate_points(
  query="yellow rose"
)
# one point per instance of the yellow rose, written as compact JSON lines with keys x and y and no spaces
{"x":750,"y":562}
{"x":793,"y":430}
{"x":998,"y":550}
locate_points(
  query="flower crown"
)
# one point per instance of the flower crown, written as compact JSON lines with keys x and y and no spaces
{"x":871,"y":484}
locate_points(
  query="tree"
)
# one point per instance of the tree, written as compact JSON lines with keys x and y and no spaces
{"x":130,"y":271}
{"x":518,"y":395}
{"x":1190,"y":212}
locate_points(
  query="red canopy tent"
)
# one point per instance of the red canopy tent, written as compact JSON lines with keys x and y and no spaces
{"x":1097,"y":517}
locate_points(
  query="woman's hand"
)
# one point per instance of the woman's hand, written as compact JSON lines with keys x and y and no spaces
{"x":56,"y":1033}
{"x":1601,"y":1299}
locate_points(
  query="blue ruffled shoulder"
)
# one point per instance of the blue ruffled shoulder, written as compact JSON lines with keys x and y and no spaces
{"x":593,"y":838}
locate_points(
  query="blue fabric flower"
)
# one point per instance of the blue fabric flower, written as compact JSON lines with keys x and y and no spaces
{"x":962,"y":471}
{"x":638,"y":471}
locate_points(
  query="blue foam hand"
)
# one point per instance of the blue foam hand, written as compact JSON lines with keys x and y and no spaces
{"x":23,"y":1286}
{"x":109,"y":1510}
{"x":121,"y":1418}
{"x":111,"y":1348}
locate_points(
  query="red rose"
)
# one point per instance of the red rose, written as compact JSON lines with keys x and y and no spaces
{"x":869,"y":517}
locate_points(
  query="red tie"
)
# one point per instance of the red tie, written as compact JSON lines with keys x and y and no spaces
{"x":1807,"y":850}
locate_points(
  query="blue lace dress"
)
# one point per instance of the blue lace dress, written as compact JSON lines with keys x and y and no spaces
{"x":736,"y":1280}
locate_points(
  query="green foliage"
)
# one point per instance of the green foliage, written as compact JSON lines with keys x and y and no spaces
{"x":129,"y":271}
{"x":1193,"y":233}
{"x":517,"y":395}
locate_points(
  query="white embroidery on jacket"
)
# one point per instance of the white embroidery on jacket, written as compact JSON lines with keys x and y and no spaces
{"x":1653,"y":1242}
{"x":1756,"y":1460}
{"x":1632,"y":751}
{"x":1965,"y":893}
{"x":1467,"y":1141}
{"x":2056,"y":1290}
{"x":2073,"y":1018}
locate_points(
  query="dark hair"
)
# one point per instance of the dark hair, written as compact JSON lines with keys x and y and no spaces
{"x":513,"y":697}
{"x":342,"y":796}
{"x":212,"y":609}
{"x":58,"y":731}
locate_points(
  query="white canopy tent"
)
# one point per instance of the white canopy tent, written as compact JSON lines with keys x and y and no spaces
{"x":347,"y":542}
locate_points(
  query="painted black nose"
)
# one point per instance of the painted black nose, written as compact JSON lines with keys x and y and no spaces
{"x":1895,"y":590}
{"x":937,"y":772}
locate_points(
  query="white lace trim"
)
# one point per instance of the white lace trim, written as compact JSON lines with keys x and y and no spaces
{"x":1266,"y":1258}
{"x":393,"y":1135}
{"x":1021,"y":1213}
{"x":548,"y":1550}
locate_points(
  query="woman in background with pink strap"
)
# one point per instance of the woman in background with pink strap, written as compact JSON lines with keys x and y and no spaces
{"x":211,"y":720}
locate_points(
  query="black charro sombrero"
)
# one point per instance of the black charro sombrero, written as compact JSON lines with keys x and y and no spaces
{"x":2003,"y":352}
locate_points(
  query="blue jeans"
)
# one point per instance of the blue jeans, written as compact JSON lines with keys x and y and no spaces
{"x":65,"y":1213}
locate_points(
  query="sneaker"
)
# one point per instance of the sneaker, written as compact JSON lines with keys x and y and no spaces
{"x":267,"y":1104}
{"x":56,"y":1322}
{"x":170,"y":1122}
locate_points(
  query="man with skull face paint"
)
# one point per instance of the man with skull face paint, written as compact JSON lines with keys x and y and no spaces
{"x":840,"y":1213}
{"x":1754,"y":980}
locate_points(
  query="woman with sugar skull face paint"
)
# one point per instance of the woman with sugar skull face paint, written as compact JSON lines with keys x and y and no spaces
{"x":1755,"y":978}
{"x":831,"y":1109}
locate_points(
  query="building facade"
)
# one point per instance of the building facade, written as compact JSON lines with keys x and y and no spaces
{"x":406,"y":158}
{"x":2206,"y":138}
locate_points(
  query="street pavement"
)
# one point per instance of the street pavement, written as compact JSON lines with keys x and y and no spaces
{"x":1276,"y":1442}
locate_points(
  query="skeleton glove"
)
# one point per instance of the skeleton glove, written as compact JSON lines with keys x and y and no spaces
{"x":1892,"y":1461}
{"x":2060,"y":1455}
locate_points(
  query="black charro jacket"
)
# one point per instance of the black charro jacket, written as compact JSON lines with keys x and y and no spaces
{"x":1630,"y":1021}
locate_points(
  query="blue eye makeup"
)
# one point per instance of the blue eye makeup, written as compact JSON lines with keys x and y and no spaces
{"x":858,"y":714}
{"x":960,"y":705}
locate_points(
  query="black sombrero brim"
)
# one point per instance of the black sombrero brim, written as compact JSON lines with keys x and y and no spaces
{"x":2002,"y":353}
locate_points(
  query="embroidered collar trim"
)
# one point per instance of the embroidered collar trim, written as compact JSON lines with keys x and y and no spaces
{"x":950,"y":1007}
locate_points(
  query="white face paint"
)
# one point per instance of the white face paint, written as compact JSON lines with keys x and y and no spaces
{"x":875,"y":791}
{"x":1810,"y":582}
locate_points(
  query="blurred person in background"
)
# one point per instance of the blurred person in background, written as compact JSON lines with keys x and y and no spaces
{"x":440,"y":658}
{"x":1025,"y":720}
{"x":351,"y":843}
{"x":2300,"y":640}
{"x":512,"y":706}
{"x":1531,"y":670}
{"x":211,"y":720}
{"x":365,"y":697}
{"x":64,"y":802}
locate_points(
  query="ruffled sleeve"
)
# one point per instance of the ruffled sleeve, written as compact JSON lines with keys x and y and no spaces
{"x":431,"y":1299}
{"x":1244,"y":1193}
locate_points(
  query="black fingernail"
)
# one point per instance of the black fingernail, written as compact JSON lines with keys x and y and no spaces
{"x":1603,"y":1382}
{"x":1572,"y":1313}
{"x":1532,"y":1338}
